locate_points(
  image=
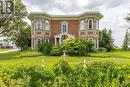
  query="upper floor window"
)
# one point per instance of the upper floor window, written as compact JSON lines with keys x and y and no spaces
{"x":64,"y":27}
{"x":39,"y":24}
{"x":47,"y":26}
{"x":90,"y":24}
{"x":33,"y":25}
{"x":82,"y":25}
{"x":97,"y":24}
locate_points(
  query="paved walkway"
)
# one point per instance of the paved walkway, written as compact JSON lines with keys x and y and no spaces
{"x":11,"y":50}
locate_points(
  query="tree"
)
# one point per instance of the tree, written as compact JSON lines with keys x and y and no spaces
{"x":125,"y":43}
{"x":16,"y":28}
{"x":128,"y":17}
{"x":9,"y":23}
{"x":105,"y":39}
{"x":22,"y":37}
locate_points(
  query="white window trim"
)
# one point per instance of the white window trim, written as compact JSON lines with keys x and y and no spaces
{"x":33,"y":25}
{"x":97,"y":24}
{"x":47,"y":25}
{"x":82,"y":23}
{"x":88,"y":23}
{"x":64,"y":23}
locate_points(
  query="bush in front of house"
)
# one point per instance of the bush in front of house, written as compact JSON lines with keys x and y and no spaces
{"x":72,"y":46}
{"x":102,"y":49}
{"x":75,"y":46}
{"x":45,"y":48}
{"x":56,"y":50}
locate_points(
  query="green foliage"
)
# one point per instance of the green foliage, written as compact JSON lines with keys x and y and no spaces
{"x":29,"y":54}
{"x":101,"y":49}
{"x":57,"y":50}
{"x":125,"y":43}
{"x":45,"y":48}
{"x":98,"y":74}
{"x":22,"y":38}
{"x":128,"y":17}
{"x":14,"y":27}
{"x":105,"y":39}
{"x":76,"y":46}
{"x":9,"y":24}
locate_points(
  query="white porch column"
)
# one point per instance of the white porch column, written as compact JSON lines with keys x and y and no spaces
{"x":55,"y":41}
{"x":97,"y":44}
{"x":60,"y":40}
{"x":33,"y":43}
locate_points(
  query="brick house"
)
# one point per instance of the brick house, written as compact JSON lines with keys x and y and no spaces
{"x":56,"y":28}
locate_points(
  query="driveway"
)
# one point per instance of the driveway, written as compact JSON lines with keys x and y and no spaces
{"x":11,"y":50}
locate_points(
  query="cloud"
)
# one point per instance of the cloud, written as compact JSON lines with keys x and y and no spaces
{"x":107,"y":4}
{"x":114,"y":12}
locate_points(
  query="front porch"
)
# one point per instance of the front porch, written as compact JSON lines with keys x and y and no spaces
{"x":60,"y":38}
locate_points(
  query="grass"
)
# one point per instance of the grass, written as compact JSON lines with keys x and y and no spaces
{"x":14,"y":58}
{"x":33,"y":58}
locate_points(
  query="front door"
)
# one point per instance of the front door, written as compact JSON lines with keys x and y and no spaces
{"x":63,"y":38}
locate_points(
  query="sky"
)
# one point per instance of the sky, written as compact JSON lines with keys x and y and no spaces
{"x":114,"y":12}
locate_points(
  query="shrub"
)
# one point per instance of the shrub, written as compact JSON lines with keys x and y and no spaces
{"x":57,"y":50}
{"x":76,"y":46}
{"x":102,"y":49}
{"x":29,"y":54}
{"x":45,"y":48}
{"x":97,"y":74}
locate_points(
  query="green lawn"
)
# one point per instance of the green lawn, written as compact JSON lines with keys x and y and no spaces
{"x":10,"y":59}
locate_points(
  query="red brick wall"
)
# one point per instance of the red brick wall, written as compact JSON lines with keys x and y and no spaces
{"x":73,"y":28}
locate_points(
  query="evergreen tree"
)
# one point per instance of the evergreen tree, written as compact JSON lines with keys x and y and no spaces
{"x":105,"y":39}
{"x":128,"y":17}
{"x":125,"y":42}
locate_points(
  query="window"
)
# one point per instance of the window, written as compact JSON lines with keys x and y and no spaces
{"x":47,"y":26}
{"x":82,"y":25}
{"x":64,"y":27}
{"x":90,"y":24}
{"x":46,"y":40}
{"x":38,"y":42}
{"x":57,"y":40}
{"x":33,"y":25}
{"x":90,"y":39}
{"x":97,"y":24}
{"x":39,"y":24}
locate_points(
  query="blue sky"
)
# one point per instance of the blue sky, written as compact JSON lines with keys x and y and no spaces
{"x":114,"y":12}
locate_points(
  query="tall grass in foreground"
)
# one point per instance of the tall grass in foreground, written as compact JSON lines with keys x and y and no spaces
{"x":97,"y":74}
